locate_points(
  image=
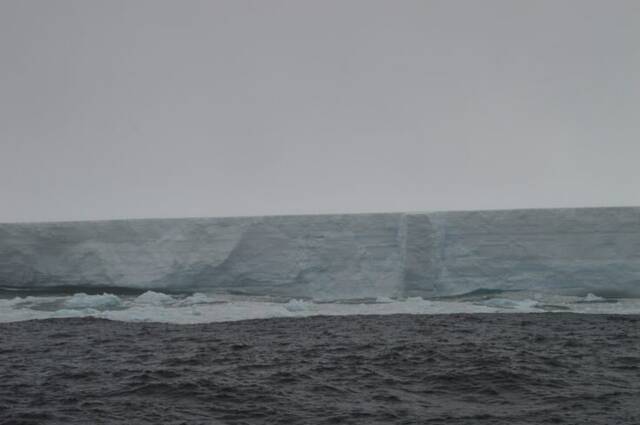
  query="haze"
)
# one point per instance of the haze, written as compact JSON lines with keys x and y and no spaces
{"x":116,"y":109}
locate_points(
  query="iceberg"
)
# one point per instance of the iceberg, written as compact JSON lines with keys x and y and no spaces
{"x":330,"y":257}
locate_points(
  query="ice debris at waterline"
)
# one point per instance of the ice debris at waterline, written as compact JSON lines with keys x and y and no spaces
{"x":201,"y":308}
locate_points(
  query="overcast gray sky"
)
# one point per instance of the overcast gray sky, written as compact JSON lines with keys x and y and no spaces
{"x":113,"y":109}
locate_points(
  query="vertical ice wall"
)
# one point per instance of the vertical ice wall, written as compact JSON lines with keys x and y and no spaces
{"x":568,"y":251}
{"x":316,"y":256}
{"x":337,"y":256}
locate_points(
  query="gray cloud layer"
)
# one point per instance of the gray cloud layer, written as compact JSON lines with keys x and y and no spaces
{"x":113,"y":109}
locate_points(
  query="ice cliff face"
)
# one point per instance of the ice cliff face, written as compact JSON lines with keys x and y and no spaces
{"x":344,"y":256}
{"x":337,"y":256}
{"x":567,"y":251}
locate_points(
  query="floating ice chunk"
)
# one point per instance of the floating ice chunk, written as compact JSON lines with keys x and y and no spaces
{"x":298,"y":305}
{"x":83,"y":312}
{"x":19,"y":302}
{"x":510,"y":304}
{"x":12,"y":302}
{"x":591,"y":298}
{"x":154,"y":298}
{"x":419,"y":300}
{"x":82,"y":300}
{"x":384,"y":300}
{"x":197,"y":298}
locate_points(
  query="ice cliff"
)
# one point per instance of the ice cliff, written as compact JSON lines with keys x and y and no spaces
{"x":571,"y":251}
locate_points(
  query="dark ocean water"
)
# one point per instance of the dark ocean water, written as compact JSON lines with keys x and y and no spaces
{"x":447,"y":369}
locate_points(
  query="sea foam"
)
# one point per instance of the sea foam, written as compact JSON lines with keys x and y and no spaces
{"x":154,"y":306}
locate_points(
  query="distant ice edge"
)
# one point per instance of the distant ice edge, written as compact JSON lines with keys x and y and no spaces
{"x":430,"y":255}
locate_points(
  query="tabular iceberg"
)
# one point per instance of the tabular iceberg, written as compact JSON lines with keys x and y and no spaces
{"x":432,"y":254}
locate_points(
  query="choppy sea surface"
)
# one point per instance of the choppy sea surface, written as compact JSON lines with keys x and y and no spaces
{"x":74,"y":355}
{"x":126,"y":304}
{"x":360,"y":369}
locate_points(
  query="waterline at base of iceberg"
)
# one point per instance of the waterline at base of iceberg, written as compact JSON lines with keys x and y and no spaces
{"x":153,"y":306}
